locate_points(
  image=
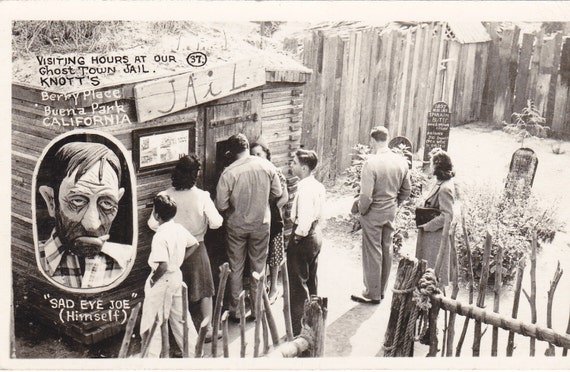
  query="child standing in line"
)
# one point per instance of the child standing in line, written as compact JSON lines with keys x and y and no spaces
{"x":171,"y":244}
{"x":196,"y":212}
{"x":306,"y":239}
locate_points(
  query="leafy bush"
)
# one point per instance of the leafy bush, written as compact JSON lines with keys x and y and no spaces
{"x":510,"y":219}
{"x":404,"y":221}
{"x":528,"y":123}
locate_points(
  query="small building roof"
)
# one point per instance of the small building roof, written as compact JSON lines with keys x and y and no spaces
{"x":465,"y":32}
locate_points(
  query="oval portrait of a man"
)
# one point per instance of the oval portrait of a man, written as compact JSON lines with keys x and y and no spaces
{"x":84,"y":211}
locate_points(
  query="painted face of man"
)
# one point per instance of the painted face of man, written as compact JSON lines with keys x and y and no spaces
{"x":86,"y":209}
{"x":258,"y":151}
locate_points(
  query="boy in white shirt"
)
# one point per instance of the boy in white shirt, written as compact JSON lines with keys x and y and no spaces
{"x":306,"y":239}
{"x":171,"y":244}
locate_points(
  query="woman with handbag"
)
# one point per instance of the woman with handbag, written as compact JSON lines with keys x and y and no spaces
{"x":434,"y":219}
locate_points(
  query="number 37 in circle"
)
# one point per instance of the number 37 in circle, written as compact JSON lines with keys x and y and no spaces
{"x":196,"y":59}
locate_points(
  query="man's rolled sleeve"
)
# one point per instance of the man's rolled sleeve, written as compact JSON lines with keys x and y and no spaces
{"x":304,"y":217}
{"x":222,"y":194}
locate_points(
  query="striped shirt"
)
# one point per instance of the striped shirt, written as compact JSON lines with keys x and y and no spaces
{"x":64,"y":267}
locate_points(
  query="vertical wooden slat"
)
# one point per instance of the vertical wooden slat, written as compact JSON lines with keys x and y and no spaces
{"x":457,"y":54}
{"x":562,"y":86}
{"x":405,"y":83}
{"x":362,"y":80}
{"x":409,"y":122}
{"x":549,"y":115}
{"x":534,"y":66}
{"x":505,"y":81}
{"x":430,"y":98}
{"x":544,"y":74}
{"x":344,"y":97}
{"x":490,"y":88}
{"x":350,"y":114}
{"x":421,"y":92}
{"x":311,"y":97}
{"x":469,"y":84}
{"x":325,"y":149}
{"x":382,"y":98}
{"x":396,"y":84}
{"x":442,"y":54}
{"x":523,"y":71}
{"x":338,"y":60}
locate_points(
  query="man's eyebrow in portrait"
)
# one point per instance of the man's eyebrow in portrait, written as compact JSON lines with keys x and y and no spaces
{"x":101,"y":165}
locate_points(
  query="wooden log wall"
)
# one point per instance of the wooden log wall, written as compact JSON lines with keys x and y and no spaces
{"x":281,"y":120}
{"x":368,"y":76}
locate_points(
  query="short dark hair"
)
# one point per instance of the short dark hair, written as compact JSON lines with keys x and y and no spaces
{"x":308,"y":158}
{"x":442,"y":165}
{"x":165,"y":207}
{"x":81,"y":156}
{"x":185,"y":173}
{"x":237,"y":144}
{"x":263,"y":147}
{"x":379,"y":133}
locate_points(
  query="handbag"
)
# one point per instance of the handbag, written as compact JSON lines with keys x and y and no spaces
{"x":426,"y":214}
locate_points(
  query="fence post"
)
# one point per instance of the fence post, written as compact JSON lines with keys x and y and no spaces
{"x":532,"y":298}
{"x":454,"y":291}
{"x":553,"y":284}
{"x":311,"y":341}
{"x":433,"y":312}
{"x":518,"y":287}
{"x":497,"y":299}
{"x":129,"y":331}
{"x":482,"y":290}
{"x":399,"y":337}
{"x":224,"y":273}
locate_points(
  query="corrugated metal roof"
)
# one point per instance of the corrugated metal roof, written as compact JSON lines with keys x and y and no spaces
{"x":467,"y":32}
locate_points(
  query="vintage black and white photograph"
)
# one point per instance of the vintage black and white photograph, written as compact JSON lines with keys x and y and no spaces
{"x":351,"y":190}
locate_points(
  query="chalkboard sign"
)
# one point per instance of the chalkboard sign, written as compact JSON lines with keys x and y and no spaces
{"x":404,"y":145}
{"x":437,"y":132}
{"x":522,"y":169}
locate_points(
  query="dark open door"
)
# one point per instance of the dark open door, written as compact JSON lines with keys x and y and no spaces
{"x":221,"y":122}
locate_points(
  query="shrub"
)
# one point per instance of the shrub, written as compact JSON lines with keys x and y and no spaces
{"x":510,"y":219}
{"x":528,"y":123}
{"x":404,"y":221}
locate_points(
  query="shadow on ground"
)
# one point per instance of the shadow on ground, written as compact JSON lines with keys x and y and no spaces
{"x":340,"y":332}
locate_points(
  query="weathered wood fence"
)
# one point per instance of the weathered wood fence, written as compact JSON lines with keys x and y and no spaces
{"x":365,"y":76}
{"x":529,"y":66}
{"x":310,"y":343}
{"x":411,"y":320}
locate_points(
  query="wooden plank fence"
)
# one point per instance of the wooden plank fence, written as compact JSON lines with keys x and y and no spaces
{"x":366,"y":76}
